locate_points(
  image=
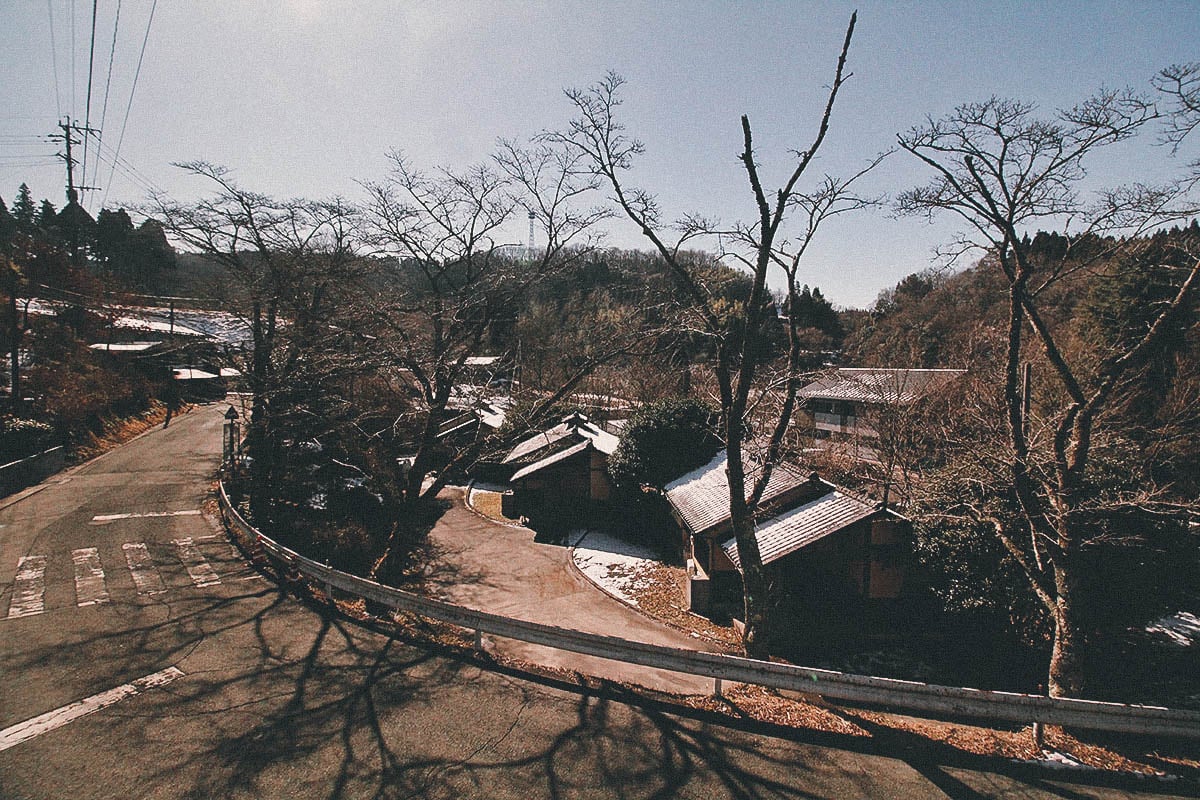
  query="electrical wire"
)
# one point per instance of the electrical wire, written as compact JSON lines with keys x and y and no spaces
{"x":127,"y":169}
{"x":136,"y":74}
{"x":87,"y":115}
{"x":107,"y":84}
{"x":54,"y":58}
{"x":71,"y":110}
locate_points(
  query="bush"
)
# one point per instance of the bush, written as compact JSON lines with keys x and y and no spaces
{"x":20,"y":438}
{"x":662,"y":441}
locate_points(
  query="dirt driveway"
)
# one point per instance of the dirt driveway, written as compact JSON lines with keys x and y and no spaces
{"x":491,"y":567}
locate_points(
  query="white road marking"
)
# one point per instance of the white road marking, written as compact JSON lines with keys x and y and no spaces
{"x":198,"y":568}
{"x":44,"y":723}
{"x":29,"y":590}
{"x":193,"y":512}
{"x":141,"y":567}
{"x":90,"y":589}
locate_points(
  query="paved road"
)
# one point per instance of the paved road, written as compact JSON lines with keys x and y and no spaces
{"x":258,"y":695}
{"x":480,"y":564}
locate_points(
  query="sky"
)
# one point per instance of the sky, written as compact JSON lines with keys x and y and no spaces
{"x":304,"y":98}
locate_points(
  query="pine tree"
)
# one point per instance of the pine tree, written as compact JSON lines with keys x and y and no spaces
{"x":47,"y":216}
{"x":22,"y":210}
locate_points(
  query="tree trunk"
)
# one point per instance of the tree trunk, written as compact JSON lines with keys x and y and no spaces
{"x":1066,"y":658}
{"x":756,"y":637}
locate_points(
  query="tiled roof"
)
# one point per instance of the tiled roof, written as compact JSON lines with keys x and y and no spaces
{"x":561,"y":455}
{"x":879,"y":385}
{"x":803,"y":525}
{"x":701,"y":497}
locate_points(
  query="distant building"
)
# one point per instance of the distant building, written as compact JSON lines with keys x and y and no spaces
{"x":843,"y":400}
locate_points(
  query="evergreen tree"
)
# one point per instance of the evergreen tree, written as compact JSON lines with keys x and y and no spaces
{"x":22,"y":210}
{"x":46,"y":217}
{"x":151,"y":249}
{"x":8,"y":228}
{"x":114,"y":233}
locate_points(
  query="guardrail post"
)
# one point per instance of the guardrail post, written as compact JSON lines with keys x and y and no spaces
{"x":329,"y":592}
{"x":717,"y":686}
{"x":479,"y":640}
{"x":1039,"y":734}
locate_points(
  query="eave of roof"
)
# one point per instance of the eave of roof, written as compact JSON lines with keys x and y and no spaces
{"x":804,"y":525}
{"x":550,"y":460}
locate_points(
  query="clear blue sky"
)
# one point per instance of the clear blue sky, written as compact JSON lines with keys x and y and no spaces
{"x":304,"y":97}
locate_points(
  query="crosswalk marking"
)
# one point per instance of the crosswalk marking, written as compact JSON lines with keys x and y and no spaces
{"x":29,"y":591}
{"x":90,"y":589}
{"x":143,"y":514}
{"x":200,"y":571}
{"x":141,"y":567}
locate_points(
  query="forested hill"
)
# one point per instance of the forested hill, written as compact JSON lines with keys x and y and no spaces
{"x":942,"y":319}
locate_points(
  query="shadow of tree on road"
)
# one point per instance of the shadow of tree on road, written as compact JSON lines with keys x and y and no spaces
{"x":330,"y":709}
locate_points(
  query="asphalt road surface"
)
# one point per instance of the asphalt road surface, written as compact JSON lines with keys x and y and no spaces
{"x":141,"y":658}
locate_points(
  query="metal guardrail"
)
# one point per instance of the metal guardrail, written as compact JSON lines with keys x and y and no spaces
{"x":888,"y":692}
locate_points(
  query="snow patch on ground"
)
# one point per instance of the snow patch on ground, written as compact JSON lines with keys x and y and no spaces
{"x":1182,"y":628}
{"x":618,"y":567}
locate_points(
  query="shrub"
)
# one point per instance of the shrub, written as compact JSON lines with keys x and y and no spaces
{"x":23,"y":437}
{"x":662,"y":441}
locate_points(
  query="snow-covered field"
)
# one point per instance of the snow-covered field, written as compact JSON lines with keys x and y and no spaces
{"x":619,"y":568}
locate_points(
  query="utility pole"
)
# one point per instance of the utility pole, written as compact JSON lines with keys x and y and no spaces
{"x":69,"y":128}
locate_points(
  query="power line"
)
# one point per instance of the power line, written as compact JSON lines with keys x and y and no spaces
{"x":54,"y":57}
{"x":127,"y":169}
{"x":71,"y":3}
{"x":87,"y":115}
{"x":108,"y":83}
{"x":106,"y":154}
{"x":136,"y":74}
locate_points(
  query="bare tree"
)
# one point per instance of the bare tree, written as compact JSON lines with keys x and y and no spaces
{"x":453,"y":279}
{"x":737,"y":334}
{"x":292,"y":264}
{"x":1000,"y":167}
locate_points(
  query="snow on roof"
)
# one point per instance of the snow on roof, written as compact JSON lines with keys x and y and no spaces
{"x":879,"y":385}
{"x":482,"y":361}
{"x":539,"y":441}
{"x":158,"y":326}
{"x":124,"y":347}
{"x":576,"y":425}
{"x":190,"y":374}
{"x":785,"y":534}
{"x":561,"y":455}
{"x":701,"y":497}
{"x":230,"y":372}
{"x":493,"y":414}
